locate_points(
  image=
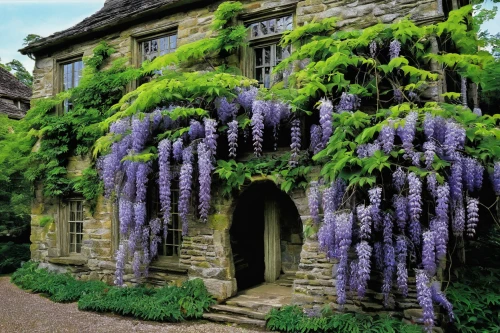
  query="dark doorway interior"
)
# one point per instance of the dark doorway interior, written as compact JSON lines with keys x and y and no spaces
{"x":248,"y":228}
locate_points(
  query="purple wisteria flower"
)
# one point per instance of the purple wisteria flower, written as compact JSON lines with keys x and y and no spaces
{"x":458,"y":221}
{"x":296,"y":143}
{"x":140,"y":133}
{"x":407,"y":135}
{"x":258,"y":127}
{"x":211,"y":136}
{"x":424,"y":297}
{"x":367,"y":149}
{"x":375,"y":196}
{"x":378,"y":253}
{"x":130,"y":189}
{"x":440,"y":298}
{"x":398,"y":95}
{"x":455,"y":180}
{"x":389,"y":266}
{"x":314,"y":199}
{"x":439,"y":226}
{"x":387,"y":227}
{"x":429,"y":124}
{"x":430,"y":148}
{"x":232,"y":137}
{"x":472,"y":174}
{"x":343,"y":235}
{"x":477,"y":111}
{"x":185,"y":180}
{"x":246,"y":97}
{"x":121,"y":255}
{"x":316,"y":144}
{"x":432,"y":183}
{"x":454,"y":140}
{"x":348,"y":103}
{"x":495,"y":178}
{"x":365,"y":221}
{"x":399,"y":179}
{"x":386,"y":137}
{"x":428,"y":253}
{"x":353,"y":276}
{"x":141,"y":181}
{"x":196,"y":130}
{"x":472,"y":216}
{"x":154,"y":229}
{"x":414,"y":206}
{"x":364,"y":252}
{"x":394,"y":49}
{"x":126,"y":215}
{"x":326,"y":235}
{"x":401,"y":252}
{"x":164,"y":181}
{"x":226,"y":111}
{"x":400,"y":204}
{"x":177,"y":150}
{"x":325,"y":120}
{"x":205,"y":168}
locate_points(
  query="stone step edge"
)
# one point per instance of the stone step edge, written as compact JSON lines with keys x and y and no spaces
{"x":234,"y":319}
{"x":228,"y":309}
{"x":254,"y":305}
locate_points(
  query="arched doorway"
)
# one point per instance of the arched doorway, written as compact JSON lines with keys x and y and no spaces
{"x":266,"y":235}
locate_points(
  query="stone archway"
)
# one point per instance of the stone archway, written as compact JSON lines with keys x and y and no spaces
{"x":265,"y":235}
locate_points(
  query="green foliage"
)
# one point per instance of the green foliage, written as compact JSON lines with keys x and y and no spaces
{"x":169,"y":303}
{"x":234,"y":175}
{"x":12,"y":255}
{"x":46,"y":220}
{"x":89,"y":184}
{"x":475,"y":293}
{"x":292,"y":319}
{"x":19,"y":71}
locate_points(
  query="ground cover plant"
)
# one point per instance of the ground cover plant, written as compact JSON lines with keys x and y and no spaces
{"x":169,"y":303}
{"x":293,"y":319}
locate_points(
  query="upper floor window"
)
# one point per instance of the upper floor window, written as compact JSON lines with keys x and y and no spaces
{"x":271,"y":27}
{"x":266,"y":53}
{"x":71,"y":75}
{"x":158,"y":46}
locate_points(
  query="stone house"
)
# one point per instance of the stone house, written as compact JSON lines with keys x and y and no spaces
{"x":14,"y":96}
{"x":226,"y":253}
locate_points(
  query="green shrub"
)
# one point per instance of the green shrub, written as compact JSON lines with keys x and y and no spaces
{"x":292,"y":319}
{"x":12,"y":255}
{"x":169,"y":303}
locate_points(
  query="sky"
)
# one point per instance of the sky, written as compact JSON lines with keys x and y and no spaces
{"x":19,"y":18}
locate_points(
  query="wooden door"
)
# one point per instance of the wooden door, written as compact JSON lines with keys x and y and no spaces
{"x":272,"y":246}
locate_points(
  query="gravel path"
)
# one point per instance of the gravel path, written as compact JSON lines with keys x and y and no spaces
{"x":24,"y":312}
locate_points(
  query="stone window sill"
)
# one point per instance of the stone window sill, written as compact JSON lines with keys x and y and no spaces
{"x":72,"y":260}
{"x":168,"y":264}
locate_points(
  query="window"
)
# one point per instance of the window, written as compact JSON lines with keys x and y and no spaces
{"x":264,"y":38}
{"x":170,"y":246}
{"x":75,"y":221}
{"x":152,"y":48}
{"x":71,"y":75}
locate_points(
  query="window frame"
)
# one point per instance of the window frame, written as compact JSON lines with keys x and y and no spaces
{"x":64,"y":237}
{"x":247,"y":56}
{"x":138,"y":38}
{"x":58,"y":80}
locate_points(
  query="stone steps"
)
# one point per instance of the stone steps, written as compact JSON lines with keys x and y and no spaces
{"x":229,"y":309}
{"x":229,"y":318}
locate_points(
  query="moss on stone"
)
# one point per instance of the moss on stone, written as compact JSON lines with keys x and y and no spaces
{"x":219,"y":221}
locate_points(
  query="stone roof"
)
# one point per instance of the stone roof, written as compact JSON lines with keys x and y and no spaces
{"x":113,"y":12}
{"x":11,"y":89}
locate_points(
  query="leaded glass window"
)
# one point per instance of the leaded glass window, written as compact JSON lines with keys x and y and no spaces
{"x":75,"y":226}
{"x":271,"y":27}
{"x":72,"y":73}
{"x":150,"y":49}
{"x":266,"y":58}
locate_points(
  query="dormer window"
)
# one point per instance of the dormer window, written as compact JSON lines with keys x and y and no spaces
{"x":71,"y":75}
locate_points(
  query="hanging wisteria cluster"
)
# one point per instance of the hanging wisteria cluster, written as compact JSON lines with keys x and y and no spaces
{"x":126,"y":176}
{"x":387,"y":225}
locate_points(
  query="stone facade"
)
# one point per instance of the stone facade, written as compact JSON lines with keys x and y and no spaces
{"x":206,"y":252}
